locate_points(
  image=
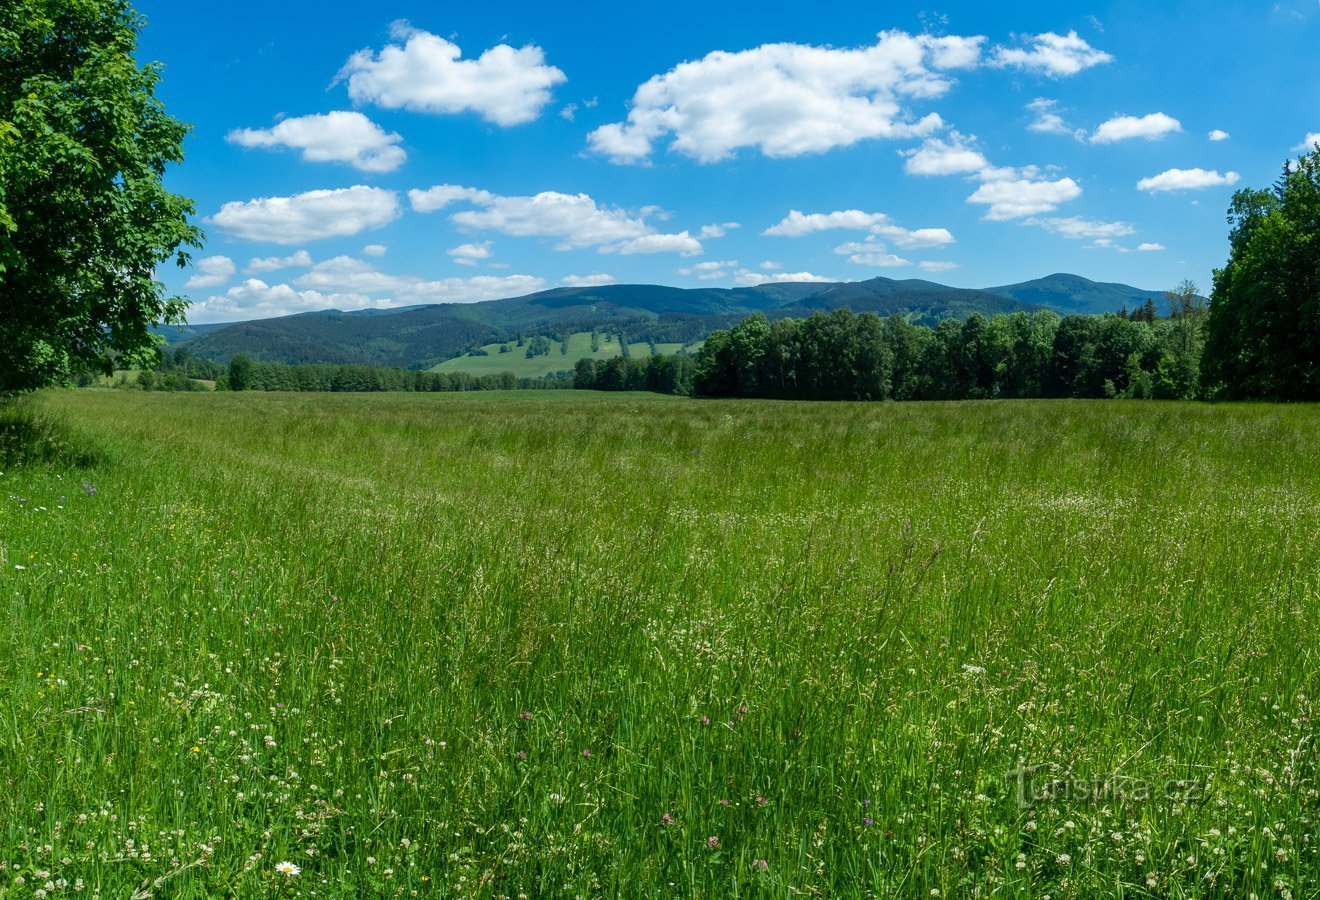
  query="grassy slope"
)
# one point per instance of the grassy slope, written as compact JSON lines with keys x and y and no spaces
{"x":516,"y":361}
{"x":304,"y":627}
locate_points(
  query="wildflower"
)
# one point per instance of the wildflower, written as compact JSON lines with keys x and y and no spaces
{"x":288,"y":869}
{"x":760,"y":801}
{"x":867,"y":822}
{"x":586,"y":752}
{"x":705,"y":720}
{"x":666,"y":819}
{"x":522,"y":754}
{"x":713,"y":842}
{"x":760,"y":865}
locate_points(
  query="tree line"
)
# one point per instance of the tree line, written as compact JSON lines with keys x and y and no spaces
{"x":244,"y":374}
{"x":847,"y":356}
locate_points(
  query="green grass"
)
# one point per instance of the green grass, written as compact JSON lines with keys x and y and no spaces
{"x":244,"y":629}
{"x":579,"y":347}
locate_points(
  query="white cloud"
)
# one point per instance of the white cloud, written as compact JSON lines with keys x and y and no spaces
{"x":798,"y":224}
{"x":1048,"y":121}
{"x":375,"y":250}
{"x":211,"y":272}
{"x":1186,"y":180}
{"x":1150,"y":248}
{"x":255,"y":298}
{"x":937,"y":265}
{"x":469,"y":254}
{"x":1015,"y":196}
{"x":573,"y":220}
{"x":309,"y":216}
{"x":347,"y":137}
{"x":1078,"y":229}
{"x":350,"y":275}
{"x":870,"y":253}
{"x":681,"y":243}
{"x":1309,"y":142}
{"x":710,"y":270}
{"x":1051,"y":54}
{"x":423,"y":72}
{"x":1218,"y":135}
{"x":771,"y":265}
{"x":301,"y":259}
{"x":717,"y":230}
{"x":597,"y":279}
{"x":789,"y":99}
{"x":939,"y":157}
{"x":1123,"y":128}
{"x":748,"y":278}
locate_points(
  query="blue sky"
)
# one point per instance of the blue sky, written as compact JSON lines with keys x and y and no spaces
{"x":355,"y":155}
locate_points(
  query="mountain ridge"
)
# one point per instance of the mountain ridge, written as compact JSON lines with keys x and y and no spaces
{"x":420,"y":336}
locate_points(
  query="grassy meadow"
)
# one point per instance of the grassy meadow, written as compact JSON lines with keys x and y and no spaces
{"x":579,"y":347}
{"x":565,"y":644}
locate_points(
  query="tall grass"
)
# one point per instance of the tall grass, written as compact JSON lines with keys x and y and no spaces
{"x":586,"y":645}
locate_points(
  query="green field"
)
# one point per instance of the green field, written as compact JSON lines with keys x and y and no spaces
{"x":565,"y":644}
{"x":579,"y":347}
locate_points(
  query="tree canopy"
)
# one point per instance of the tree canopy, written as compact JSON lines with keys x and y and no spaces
{"x":1263,"y":335}
{"x":85,"y":217}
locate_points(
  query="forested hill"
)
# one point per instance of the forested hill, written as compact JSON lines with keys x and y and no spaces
{"x":421,"y":336}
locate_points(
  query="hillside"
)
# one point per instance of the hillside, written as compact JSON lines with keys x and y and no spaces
{"x":424,"y":336}
{"x":515,"y":359}
{"x":1074,"y":294}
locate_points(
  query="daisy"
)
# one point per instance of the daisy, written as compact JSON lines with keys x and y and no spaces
{"x":287,"y":868}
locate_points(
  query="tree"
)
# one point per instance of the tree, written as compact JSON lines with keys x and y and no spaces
{"x":84,"y":215}
{"x":1263,"y":331}
{"x":240,"y":373}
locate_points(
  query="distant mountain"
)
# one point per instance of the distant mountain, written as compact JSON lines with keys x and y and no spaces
{"x":421,"y":336}
{"x":1075,"y":294}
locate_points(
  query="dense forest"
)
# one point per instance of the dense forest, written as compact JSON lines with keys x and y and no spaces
{"x":847,"y":356}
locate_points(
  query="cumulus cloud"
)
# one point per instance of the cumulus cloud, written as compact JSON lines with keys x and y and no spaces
{"x":255,"y":298}
{"x":574,"y":221}
{"x":211,"y":272}
{"x":309,"y":216}
{"x":1218,"y":135}
{"x":1123,"y":128}
{"x":347,"y":137}
{"x":470,"y":254}
{"x":710,"y":270}
{"x":870,"y":253}
{"x":789,"y":99}
{"x":1078,"y":229}
{"x":596,"y":279}
{"x":1150,"y":248}
{"x":1308,"y":143}
{"x":681,"y":243}
{"x":301,"y":259}
{"x":1186,"y":180}
{"x":351,"y":275}
{"x":423,"y":72}
{"x":1013,"y":194}
{"x":798,"y":224}
{"x":939,"y":157}
{"x":1051,"y":54}
{"x":375,"y":250}
{"x":717,"y":230}
{"x":748,"y":278}
{"x":1048,"y":120}
{"x":771,"y":265}
{"x":348,"y":283}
